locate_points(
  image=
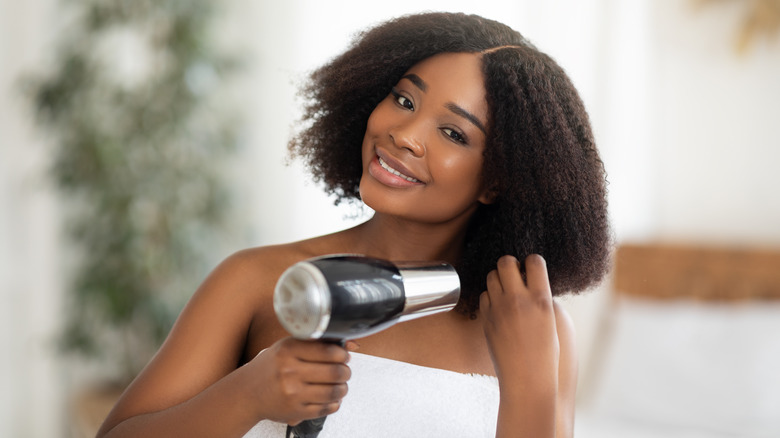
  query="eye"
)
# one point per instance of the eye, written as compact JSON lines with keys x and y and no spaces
{"x":400,"y":99}
{"x":454,"y":135}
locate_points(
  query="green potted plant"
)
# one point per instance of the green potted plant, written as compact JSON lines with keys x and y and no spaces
{"x":139,"y":146}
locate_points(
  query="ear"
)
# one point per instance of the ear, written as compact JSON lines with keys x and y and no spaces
{"x":489,"y":196}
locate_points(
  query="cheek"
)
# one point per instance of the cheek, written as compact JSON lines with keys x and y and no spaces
{"x":368,"y":139}
{"x":474,"y":178}
{"x":464,"y":169}
{"x":378,"y":117}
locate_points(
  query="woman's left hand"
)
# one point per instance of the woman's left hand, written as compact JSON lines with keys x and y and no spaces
{"x":520,"y":327}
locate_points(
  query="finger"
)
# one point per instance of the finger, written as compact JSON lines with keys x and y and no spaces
{"x":509,"y":273}
{"x":323,"y":394}
{"x":317,"y":373}
{"x":322,"y":410}
{"x":536,"y":272}
{"x":484,"y":300}
{"x":493,"y":282}
{"x":321,"y":352}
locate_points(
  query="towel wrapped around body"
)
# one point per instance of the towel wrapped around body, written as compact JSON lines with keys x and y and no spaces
{"x":393,"y":399}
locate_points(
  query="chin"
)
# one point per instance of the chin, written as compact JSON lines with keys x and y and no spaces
{"x":369,"y":196}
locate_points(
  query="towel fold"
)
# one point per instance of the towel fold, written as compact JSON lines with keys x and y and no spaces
{"x":393,"y":399}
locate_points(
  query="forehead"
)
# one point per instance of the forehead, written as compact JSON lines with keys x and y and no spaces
{"x":455,"y":77}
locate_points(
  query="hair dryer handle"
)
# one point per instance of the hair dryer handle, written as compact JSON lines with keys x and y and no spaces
{"x":307,"y":428}
{"x":311,"y":428}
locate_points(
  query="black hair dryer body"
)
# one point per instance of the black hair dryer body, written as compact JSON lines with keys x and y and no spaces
{"x":340,"y":297}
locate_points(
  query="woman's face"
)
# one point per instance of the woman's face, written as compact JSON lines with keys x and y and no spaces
{"x":422,"y":152}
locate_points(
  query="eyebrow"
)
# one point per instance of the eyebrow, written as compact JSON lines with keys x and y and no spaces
{"x":416,"y":80}
{"x":419,"y":83}
{"x":467,"y":115}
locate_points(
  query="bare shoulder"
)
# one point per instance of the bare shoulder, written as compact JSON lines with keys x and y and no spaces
{"x":233,"y":307}
{"x":244,"y":281}
{"x":252,"y":275}
{"x":253,"y":272}
{"x":231,"y":302}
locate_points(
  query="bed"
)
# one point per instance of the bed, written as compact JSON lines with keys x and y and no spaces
{"x":690,"y":345}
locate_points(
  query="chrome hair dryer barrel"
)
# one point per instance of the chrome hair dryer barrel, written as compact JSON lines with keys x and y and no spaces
{"x":343,"y":297}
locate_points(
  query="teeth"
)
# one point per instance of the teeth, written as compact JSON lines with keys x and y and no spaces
{"x":395,"y":172}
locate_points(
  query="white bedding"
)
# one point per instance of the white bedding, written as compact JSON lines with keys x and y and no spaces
{"x":687,"y":369}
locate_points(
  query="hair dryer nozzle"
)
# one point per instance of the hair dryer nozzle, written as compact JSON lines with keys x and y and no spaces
{"x":302,"y":302}
{"x":351,"y":296}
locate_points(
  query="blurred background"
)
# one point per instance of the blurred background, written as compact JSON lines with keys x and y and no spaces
{"x":683,"y":97}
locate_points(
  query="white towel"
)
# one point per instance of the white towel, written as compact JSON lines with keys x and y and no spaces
{"x":393,"y":399}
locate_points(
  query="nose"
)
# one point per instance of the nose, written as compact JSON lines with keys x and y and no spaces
{"x":409,"y":136}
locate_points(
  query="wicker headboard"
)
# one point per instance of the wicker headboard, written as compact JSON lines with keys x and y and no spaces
{"x":666,"y":271}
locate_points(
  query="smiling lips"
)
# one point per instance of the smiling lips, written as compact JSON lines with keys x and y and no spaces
{"x":383,"y":172}
{"x":395,"y":172}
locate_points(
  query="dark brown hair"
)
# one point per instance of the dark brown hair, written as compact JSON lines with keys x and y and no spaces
{"x":540,"y":154}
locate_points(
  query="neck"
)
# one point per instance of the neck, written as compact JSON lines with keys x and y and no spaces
{"x":395,"y":239}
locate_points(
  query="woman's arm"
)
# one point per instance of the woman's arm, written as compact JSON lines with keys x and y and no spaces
{"x":531,"y":342}
{"x":193,"y":387}
{"x":568,"y":368}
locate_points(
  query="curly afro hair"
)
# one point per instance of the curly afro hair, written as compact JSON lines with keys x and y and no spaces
{"x":540,"y":154}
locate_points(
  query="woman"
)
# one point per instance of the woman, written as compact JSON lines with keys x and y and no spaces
{"x":472,"y":147}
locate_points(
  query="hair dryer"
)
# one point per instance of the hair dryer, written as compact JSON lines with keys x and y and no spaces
{"x":340,"y":297}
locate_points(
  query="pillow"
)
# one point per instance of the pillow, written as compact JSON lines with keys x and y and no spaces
{"x":693,"y":365}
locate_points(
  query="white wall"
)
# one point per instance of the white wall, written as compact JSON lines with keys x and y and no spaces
{"x":687,"y":130}
{"x":715,"y":118}
{"x":30,"y":286}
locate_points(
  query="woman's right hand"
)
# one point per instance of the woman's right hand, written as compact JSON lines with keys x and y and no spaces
{"x":299,"y":380}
